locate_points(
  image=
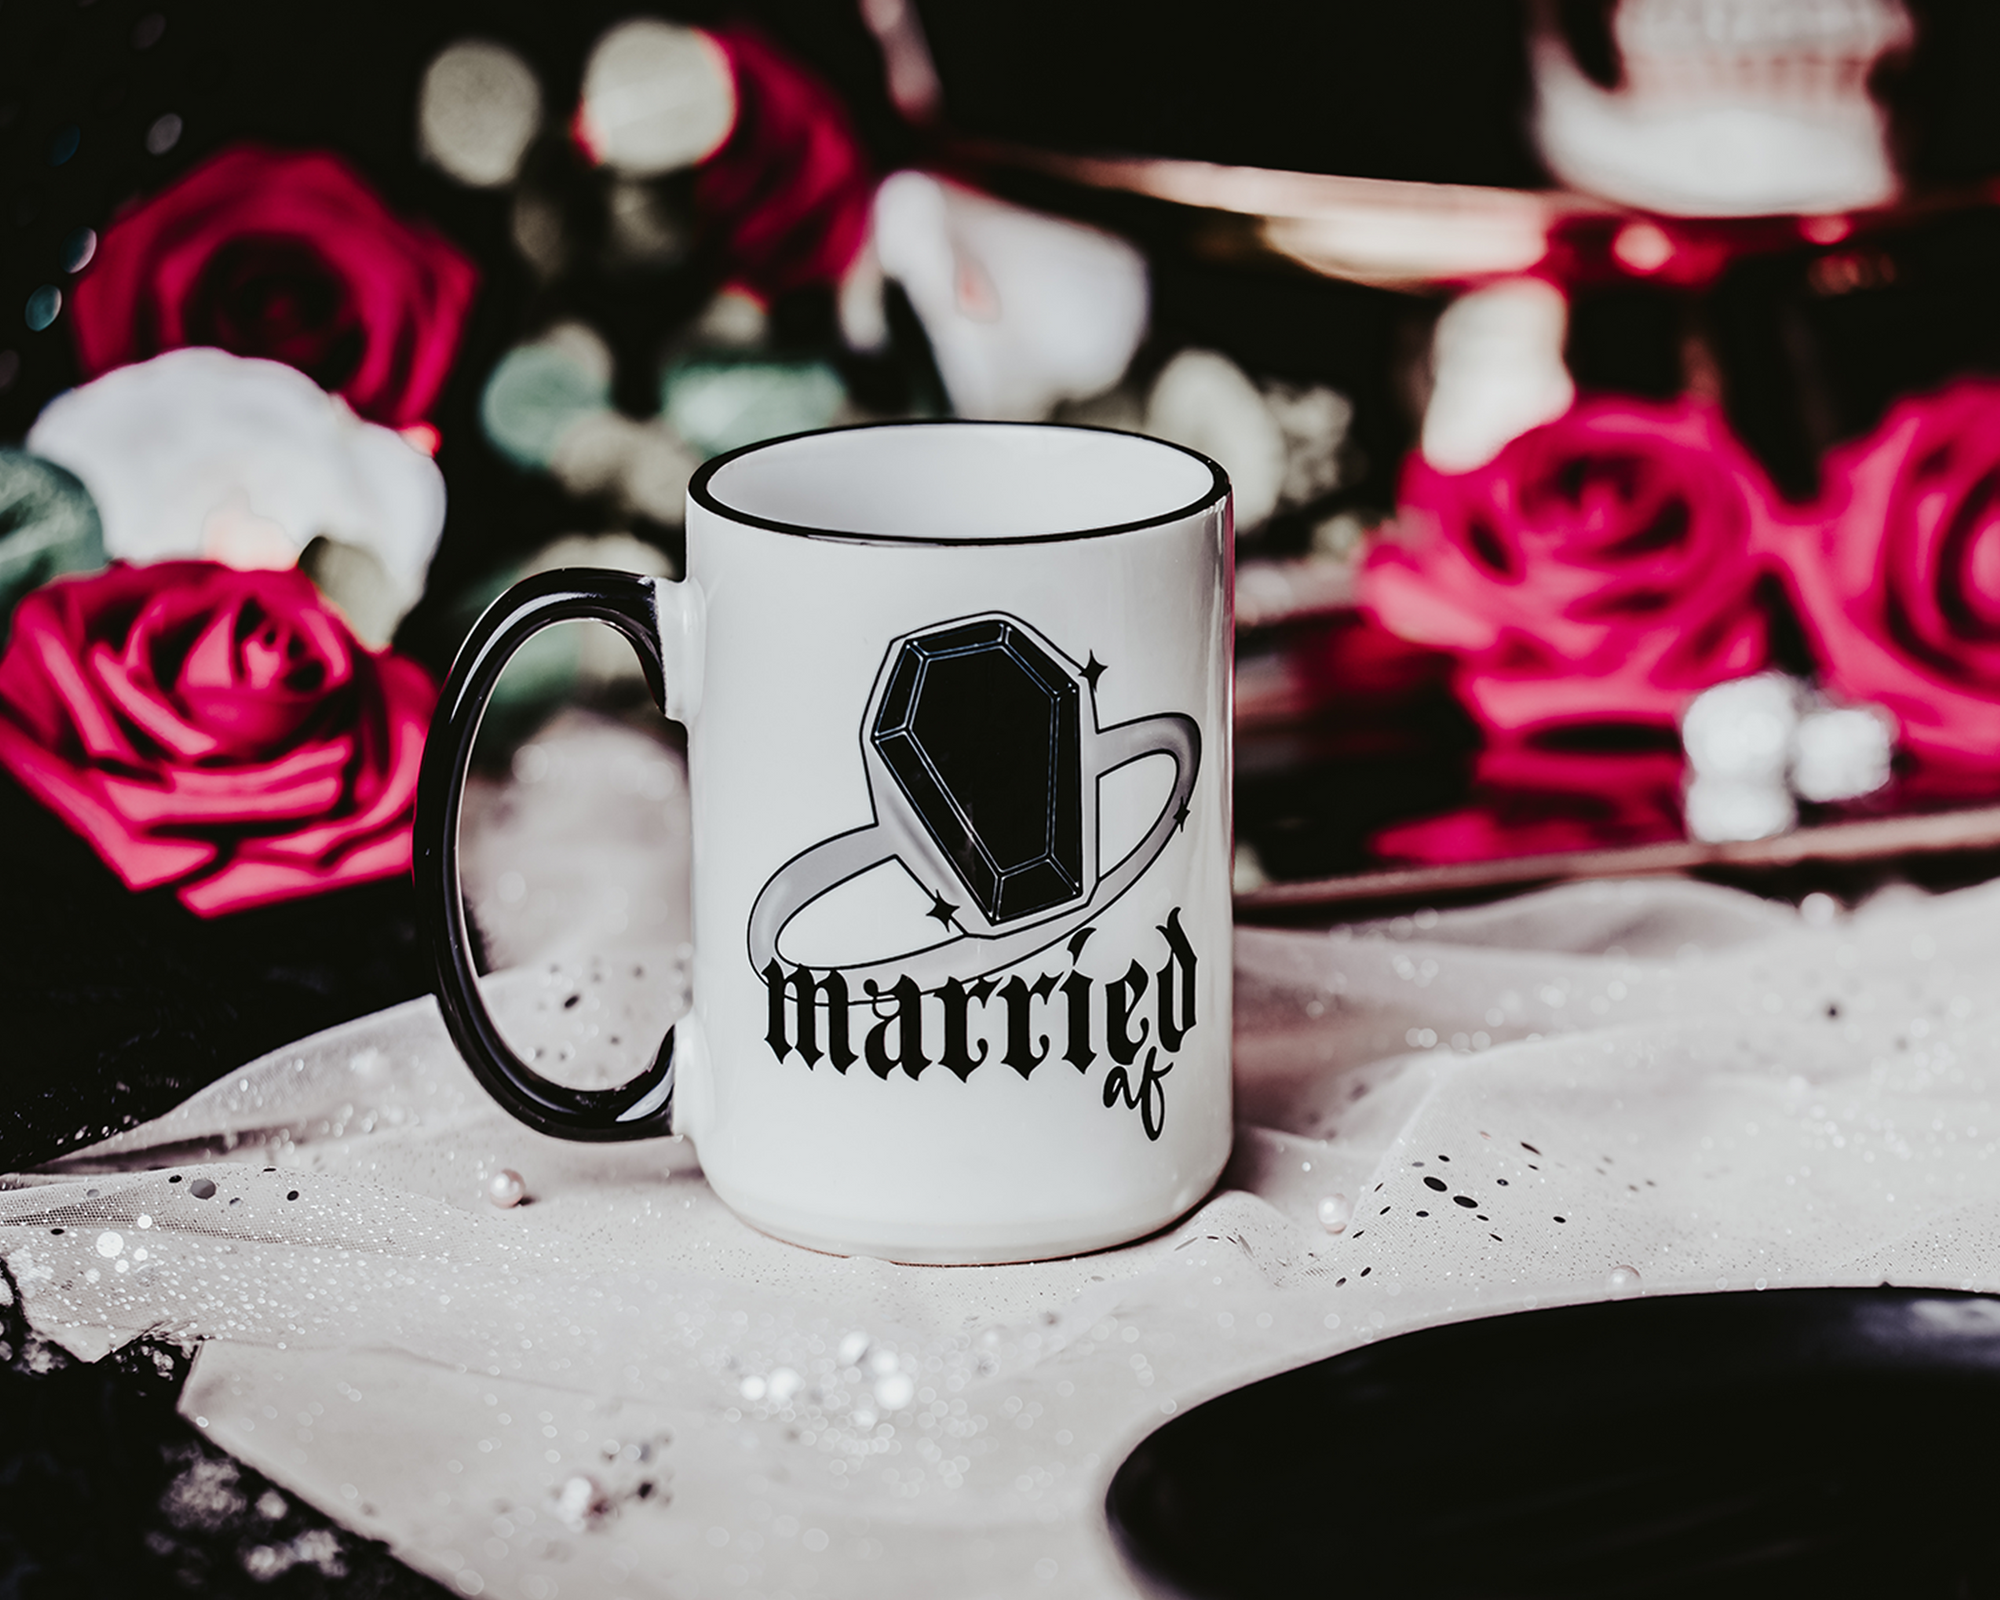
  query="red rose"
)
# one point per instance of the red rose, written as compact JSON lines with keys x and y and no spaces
{"x":214,"y":729}
{"x":288,"y":256}
{"x":1529,"y":800}
{"x":790,"y":189}
{"x":1898,"y":582}
{"x":1599,"y":570}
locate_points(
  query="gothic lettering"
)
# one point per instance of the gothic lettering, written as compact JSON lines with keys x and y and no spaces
{"x":1121,"y":999}
{"x":1076,"y":990}
{"x":956,"y":1056}
{"x":809,"y":1014}
{"x":806,"y":992}
{"x":908,"y":1021}
{"x":1149,"y":1099}
{"x":1018,"y":997}
{"x":1180,"y":954}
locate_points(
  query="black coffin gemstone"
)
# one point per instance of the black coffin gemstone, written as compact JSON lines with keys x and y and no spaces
{"x":979,"y":727}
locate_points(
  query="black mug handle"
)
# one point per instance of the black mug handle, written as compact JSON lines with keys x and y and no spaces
{"x":643,"y":1108}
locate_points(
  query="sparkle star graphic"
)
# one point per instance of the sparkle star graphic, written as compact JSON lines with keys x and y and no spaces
{"x":1181,"y":816}
{"x":1093,"y":670}
{"x":941,"y":909}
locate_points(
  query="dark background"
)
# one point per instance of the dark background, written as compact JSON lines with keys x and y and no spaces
{"x":105,"y":984}
{"x":117,"y":1006}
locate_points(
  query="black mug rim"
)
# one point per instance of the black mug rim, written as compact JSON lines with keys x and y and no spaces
{"x":700,"y":493}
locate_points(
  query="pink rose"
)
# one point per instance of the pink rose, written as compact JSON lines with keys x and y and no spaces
{"x":1531,"y":800}
{"x":290,"y":256}
{"x":789,"y":190}
{"x":1898,"y":582}
{"x":217,"y":730}
{"x":1599,"y":570}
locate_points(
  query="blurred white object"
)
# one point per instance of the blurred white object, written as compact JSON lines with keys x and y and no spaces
{"x":860,"y":302}
{"x":1727,"y":107}
{"x":1246,"y":870}
{"x":540,"y":389}
{"x":202,"y":453}
{"x":1280,"y":443}
{"x":1270,"y":591}
{"x":1405,"y":234}
{"x":642,"y":230}
{"x":1755,"y":743}
{"x":1314,"y":421}
{"x":478,"y":111}
{"x":1738,"y":739}
{"x":906,"y":58}
{"x":1722,"y":810}
{"x":1497,"y":371}
{"x":656,"y":97}
{"x":1023,"y":311}
{"x":645,"y":465}
{"x":1203,"y":400}
{"x":547,"y":405}
{"x":1741,"y":731}
{"x":1392,"y":232}
{"x":1842,"y":753}
{"x":584,"y":847}
{"x":735,"y":319}
{"x":718,"y":406}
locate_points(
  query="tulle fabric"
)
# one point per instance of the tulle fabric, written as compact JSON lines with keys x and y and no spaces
{"x":1711,"y":1091}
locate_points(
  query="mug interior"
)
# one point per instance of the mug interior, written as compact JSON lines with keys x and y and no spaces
{"x":960,"y":483}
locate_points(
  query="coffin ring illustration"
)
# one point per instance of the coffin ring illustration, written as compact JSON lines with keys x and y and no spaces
{"x":983,"y":756}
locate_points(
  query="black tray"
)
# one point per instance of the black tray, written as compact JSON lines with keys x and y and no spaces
{"x":1807,"y":1442}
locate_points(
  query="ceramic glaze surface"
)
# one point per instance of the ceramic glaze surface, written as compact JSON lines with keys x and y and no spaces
{"x":961,"y":810}
{"x":958,"y":709}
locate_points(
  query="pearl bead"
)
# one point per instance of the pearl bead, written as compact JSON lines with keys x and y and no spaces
{"x":1334,"y":1212}
{"x":506,"y":1188}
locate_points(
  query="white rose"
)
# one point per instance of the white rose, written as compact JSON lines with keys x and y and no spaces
{"x":202,"y":453}
{"x":1023,"y":311}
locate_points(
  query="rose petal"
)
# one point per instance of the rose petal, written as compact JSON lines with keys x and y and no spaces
{"x":1536,"y":800}
{"x":89,"y":719}
{"x":242,"y":649}
{"x":253,"y":879}
{"x":1492,"y":833}
{"x":264,"y":663}
{"x":791,"y":187}
{"x":1888,"y":579}
{"x":1398,"y":592}
{"x":1578,"y":519}
{"x":329,"y":638}
{"x":408,"y":700}
{"x":140,"y":860}
{"x":408,"y":289}
{"x":145,"y":709}
{"x":1602,"y":567}
{"x":304,"y":784}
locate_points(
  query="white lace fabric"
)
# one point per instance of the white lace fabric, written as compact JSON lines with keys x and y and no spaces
{"x":618,"y":1389}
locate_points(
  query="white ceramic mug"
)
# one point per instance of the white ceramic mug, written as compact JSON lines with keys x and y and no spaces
{"x":958,"y":708}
